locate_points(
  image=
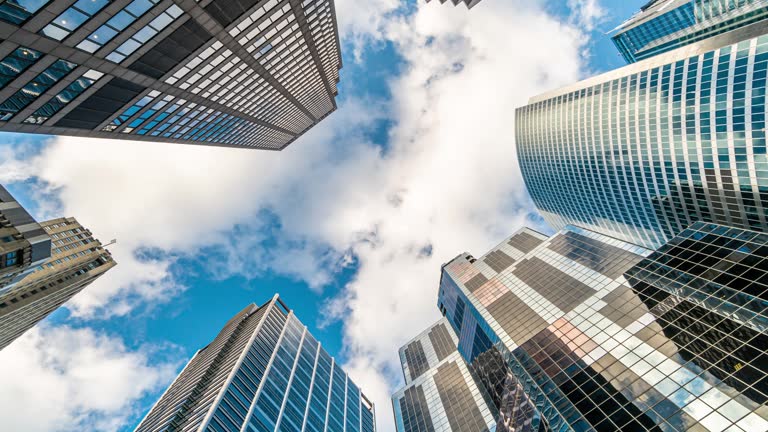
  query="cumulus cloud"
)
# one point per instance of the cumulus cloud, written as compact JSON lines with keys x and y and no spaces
{"x":587,"y":13}
{"x":65,"y":379}
{"x":447,"y":181}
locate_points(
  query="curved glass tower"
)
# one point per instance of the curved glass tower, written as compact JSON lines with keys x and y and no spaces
{"x":642,"y":152}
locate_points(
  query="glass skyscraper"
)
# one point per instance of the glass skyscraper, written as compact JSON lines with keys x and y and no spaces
{"x":440,"y":392}
{"x":664,"y":25}
{"x":246,"y":73}
{"x":583,"y":332}
{"x":264,"y":372}
{"x":642,"y":152}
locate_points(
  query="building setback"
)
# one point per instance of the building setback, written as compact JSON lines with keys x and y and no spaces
{"x":246,"y":73}
{"x":580,"y":331}
{"x":664,"y":25}
{"x":23,"y":243}
{"x":642,"y":152}
{"x":77,"y":260}
{"x":263,"y":372}
{"x":439,"y":388}
{"x":468,"y":3}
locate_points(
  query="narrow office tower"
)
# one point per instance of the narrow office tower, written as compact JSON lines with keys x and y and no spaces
{"x":439,"y":391}
{"x":245,"y":73}
{"x":468,"y":3}
{"x":23,"y":242}
{"x":664,"y":25}
{"x":264,"y":372}
{"x":642,"y":152}
{"x":77,"y":260}
{"x":583,"y":332}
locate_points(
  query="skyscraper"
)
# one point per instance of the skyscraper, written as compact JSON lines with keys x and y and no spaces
{"x":468,"y":3}
{"x":78,"y":259}
{"x":642,"y":152}
{"x":250,"y":73}
{"x":23,"y":243}
{"x":664,"y":25}
{"x":439,"y":390}
{"x":580,"y":331}
{"x":263,"y":372}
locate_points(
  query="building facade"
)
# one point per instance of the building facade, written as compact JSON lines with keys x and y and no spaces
{"x":77,"y":260}
{"x":468,"y":3}
{"x":642,"y":152}
{"x":440,"y":392}
{"x":263,"y":372}
{"x":580,"y":331}
{"x":23,"y":242}
{"x":247,"y":74}
{"x":664,"y":25}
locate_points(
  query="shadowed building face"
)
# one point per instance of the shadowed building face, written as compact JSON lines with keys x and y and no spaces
{"x":250,"y":74}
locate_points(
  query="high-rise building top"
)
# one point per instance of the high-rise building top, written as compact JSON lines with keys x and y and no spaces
{"x":585,"y":332}
{"x":440,"y":392}
{"x":263,"y":372}
{"x":23,"y":243}
{"x":642,"y":152}
{"x":77,"y":260}
{"x":250,"y":73}
{"x":468,"y":3}
{"x":664,"y":25}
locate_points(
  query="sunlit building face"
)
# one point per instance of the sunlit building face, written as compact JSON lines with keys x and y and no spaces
{"x":587,"y":332}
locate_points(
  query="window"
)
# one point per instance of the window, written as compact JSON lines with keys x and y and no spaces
{"x":18,"y":11}
{"x":116,"y":24}
{"x":72,"y":18}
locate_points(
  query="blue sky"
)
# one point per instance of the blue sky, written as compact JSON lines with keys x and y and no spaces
{"x":337,"y":224}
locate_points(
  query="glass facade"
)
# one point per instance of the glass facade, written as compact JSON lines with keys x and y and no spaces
{"x":255,"y":73}
{"x":441,"y":393}
{"x":664,"y":25}
{"x":642,"y":152}
{"x":588,"y":333}
{"x":264,"y":372}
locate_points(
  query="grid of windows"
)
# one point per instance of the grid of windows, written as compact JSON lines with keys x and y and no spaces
{"x":75,"y":260}
{"x":643,"y":152}
{"x":34,"y":88}
{"x":661,"y":28}
{"x":72,"y":18}
{"x":662,"y":347}
{"x":498,"y":260}
{"x":445,"y":398}
{"x":18,"y":11}
{"x":266,"y":74}
{"x":278,"y":379}
{"x":15,"y":63}
{"x":122,"y":19}
{"x":524,"y":242}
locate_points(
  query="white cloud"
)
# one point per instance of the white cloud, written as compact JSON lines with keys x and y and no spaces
{"x":587,"y":13}
{"x":65,"y":379}
{"x":447,"y":182}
